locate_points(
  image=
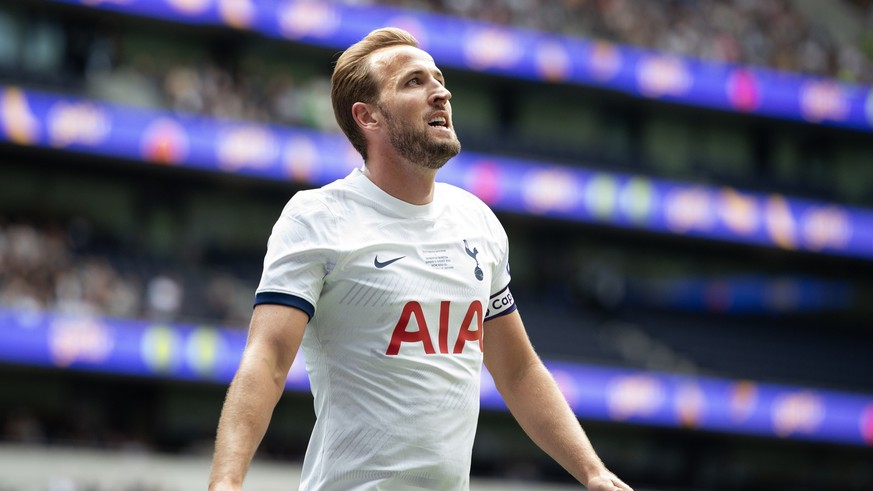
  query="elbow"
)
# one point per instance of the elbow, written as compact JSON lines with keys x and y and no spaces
{"x":279,"y":381}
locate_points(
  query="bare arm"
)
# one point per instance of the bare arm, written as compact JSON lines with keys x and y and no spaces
{"x":537,"y":404}
{"x":274,"y":337}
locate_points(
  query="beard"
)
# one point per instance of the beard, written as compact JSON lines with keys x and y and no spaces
{"x":416,"y":146}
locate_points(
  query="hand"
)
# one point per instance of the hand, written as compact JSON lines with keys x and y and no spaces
{"x":607,"y":482}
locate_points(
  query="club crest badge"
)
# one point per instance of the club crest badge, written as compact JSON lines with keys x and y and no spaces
{"x":477,"y":271}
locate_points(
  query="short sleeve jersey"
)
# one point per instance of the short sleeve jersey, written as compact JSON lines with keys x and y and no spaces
{"x":397,"y":296}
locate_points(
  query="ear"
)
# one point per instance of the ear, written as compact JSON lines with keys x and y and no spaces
{"x":366,"y":116}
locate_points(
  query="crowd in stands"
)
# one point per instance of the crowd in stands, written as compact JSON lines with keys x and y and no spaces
{"x":214,"y":89}
{"x":235,"y":94}
{"x":53,"y":267}
{"x":771,"y":33}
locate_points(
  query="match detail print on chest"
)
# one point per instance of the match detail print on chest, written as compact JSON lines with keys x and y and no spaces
{"x":448,"y":257}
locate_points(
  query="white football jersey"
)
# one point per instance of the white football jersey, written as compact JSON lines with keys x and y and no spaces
{"x":397,"y":296}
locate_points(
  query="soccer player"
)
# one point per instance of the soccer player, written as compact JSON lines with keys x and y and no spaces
{"x":397,"y":288}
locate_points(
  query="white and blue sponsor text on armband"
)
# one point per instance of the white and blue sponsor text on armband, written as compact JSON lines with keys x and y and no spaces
{"x":501,"y":303}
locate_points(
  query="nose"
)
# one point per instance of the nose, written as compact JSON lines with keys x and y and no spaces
{"x":440,"y":95}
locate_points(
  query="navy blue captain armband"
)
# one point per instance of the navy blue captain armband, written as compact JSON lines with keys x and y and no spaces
{"x":286,"y":299}
{"x":501,"y":303}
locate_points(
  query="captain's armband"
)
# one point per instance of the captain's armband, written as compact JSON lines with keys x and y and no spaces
{"x":501,"y":303}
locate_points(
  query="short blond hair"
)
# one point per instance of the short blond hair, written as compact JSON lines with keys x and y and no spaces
{"x":353,"y":79}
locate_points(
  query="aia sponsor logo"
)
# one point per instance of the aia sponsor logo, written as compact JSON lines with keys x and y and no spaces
{"x":470,"y":330}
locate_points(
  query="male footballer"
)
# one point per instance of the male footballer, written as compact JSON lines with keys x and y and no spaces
{"x":397,"y":289}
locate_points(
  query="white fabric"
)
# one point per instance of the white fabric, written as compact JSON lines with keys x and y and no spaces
{"x":398,"y":415}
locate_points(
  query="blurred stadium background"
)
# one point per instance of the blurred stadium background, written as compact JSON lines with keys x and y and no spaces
{"x":687,"y":186}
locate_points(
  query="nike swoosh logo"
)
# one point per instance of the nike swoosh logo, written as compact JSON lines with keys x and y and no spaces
{"x":381,"y":265}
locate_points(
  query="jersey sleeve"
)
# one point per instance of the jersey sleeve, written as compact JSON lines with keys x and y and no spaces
{"x":500,"y":301}
{"x":298,"y":256}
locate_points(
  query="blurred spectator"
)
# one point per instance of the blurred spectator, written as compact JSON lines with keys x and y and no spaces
{"x":771,"y":33}
{"x":230,"y":299}
{"x":164,"y":297}
{"x":40,"y":269}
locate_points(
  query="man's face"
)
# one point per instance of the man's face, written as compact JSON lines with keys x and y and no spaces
{"x":414,"y":103}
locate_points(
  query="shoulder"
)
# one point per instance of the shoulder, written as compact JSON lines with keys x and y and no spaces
{"x":469,"y":203}
{"x":309,"y":217}
{"x":307,"y":202}
{"x":461,"y":197}
{"x":316,"y":204}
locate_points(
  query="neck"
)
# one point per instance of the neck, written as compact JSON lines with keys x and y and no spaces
{"x":402,"y":180}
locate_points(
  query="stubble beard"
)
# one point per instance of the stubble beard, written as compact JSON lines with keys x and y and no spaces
{"x":417,"y":146}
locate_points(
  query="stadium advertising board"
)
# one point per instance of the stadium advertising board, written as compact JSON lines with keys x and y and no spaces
{"x":314,"y":158}
{"x":209,"y":354}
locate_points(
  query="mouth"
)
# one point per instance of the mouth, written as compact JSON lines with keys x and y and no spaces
{"x":439,"y":121}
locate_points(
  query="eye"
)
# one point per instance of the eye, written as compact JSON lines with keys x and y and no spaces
{"x":414,"y":81}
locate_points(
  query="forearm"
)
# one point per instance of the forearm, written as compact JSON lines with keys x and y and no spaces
{"x":539,"y":407}
{"x":246,"y":414}
{"x":274,"y":338}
